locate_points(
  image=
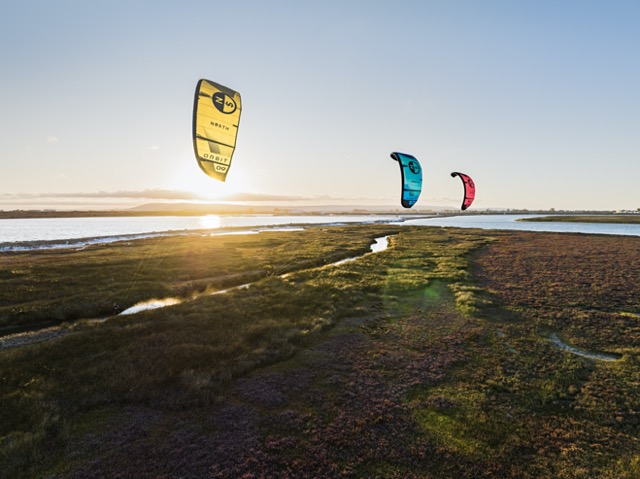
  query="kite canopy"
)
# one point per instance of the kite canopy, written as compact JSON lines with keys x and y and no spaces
{"x":411,"y":178}
{"x":469,"y":189}
{"x":216,"y":115}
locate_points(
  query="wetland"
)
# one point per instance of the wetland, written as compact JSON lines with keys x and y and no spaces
{"x":430,"y":359}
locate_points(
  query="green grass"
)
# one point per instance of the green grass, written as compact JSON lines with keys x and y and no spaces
{"x":99,"y":281}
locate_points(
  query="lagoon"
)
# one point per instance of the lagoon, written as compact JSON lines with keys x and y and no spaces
{"x":32,"y":233}
{"x":510,"y":222}
{"x":20,"y":233}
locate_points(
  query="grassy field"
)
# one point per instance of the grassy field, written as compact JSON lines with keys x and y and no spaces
{"x":430,"y":359}
{"x":55,"y":286}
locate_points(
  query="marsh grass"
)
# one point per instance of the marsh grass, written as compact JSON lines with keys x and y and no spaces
{"x":53,"y":286}
{"x":179,"y":356}
{"x":579,"y":287}
{"x":441,"y":366}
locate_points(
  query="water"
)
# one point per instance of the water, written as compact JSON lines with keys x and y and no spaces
{"x":78,"y":232}
{"x":510,"y":222}
{"x":581,"y":352}
{"x":379,"y":244}
{"x":151,"y":304}
{"x":21,"y":234}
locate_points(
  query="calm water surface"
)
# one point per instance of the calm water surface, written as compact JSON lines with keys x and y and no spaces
{"x":17,"y":234}
{"x":74,"y":232}
{"x":510,"y":222}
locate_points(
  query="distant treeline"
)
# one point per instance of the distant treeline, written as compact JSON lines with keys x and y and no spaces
{"x":196,"y":210}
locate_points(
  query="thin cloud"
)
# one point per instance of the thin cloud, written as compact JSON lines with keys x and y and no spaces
{"x":52,"y":139}
{"x":176,"y":195}
{"x":442,"y":199}
{"x":152,"y":194}
{"x":261,"y":197}
{"x":148,"y":194}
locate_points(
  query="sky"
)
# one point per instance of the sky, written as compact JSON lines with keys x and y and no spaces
{"x":537,"y":100}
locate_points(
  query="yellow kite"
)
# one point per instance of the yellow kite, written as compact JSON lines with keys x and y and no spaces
{"x":216,"y":116}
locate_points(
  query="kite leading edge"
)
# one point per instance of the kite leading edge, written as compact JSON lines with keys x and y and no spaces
{"x":216,"y":116}
{"x":469,"y":189}
{"x":411,"y":178}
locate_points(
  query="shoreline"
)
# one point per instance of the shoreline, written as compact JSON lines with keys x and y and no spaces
{"x":230,"y":210}
{"x":78,"y":236}
{"x":624,"y":219}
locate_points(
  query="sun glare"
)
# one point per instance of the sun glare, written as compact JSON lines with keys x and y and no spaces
{"x":209,"y":221}
{"x":191,"y":179}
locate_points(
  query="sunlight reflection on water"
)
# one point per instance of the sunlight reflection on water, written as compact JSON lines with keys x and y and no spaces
{"x":210,"y":222}
{"x":151,"y":304}
{"x":379,"y":244}
{"x":580,"y":352}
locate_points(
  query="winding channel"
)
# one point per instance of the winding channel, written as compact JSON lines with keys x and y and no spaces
{"x":581,"y":352}
{"x":22,"y":339}
{"x":379,"y":244}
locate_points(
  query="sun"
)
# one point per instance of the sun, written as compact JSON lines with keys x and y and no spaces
{"x":206,"y":188}
{"x":191,"y":179}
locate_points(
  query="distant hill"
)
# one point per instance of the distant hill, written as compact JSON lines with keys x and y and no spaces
{"x":191,"y":208}
{"x":188,"y":209}
{"x":198,"y":208}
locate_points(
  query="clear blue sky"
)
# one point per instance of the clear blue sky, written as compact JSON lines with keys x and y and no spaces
{"x":537,"y":100}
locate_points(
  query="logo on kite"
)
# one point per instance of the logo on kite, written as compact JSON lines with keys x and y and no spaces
{"x":411,"y":173}
{"x":469,"y":189}
{"x":224,"y":103}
